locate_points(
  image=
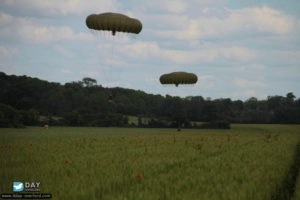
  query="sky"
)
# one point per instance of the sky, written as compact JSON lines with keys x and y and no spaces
{"x":237,"y":48}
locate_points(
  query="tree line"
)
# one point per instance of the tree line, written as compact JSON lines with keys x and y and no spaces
{"x":31,"y":101}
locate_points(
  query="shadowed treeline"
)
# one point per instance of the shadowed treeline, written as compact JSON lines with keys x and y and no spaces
{"x":30,"y":101}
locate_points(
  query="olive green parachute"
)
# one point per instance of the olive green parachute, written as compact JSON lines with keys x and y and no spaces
{"x":113,"y":22}
{"x":178,"y":78}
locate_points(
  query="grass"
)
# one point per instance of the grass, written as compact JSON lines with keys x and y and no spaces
{"x":246,"y":162}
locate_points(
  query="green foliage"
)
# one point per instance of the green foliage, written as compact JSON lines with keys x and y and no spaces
{"x":9,"y":117}
{"x":73,"y":118}
{"x":158,"y":123}
{"x":30,"y":117}
{"x":89,"y":82}
{"x":90,"y":101}
{"x":198,"y":147}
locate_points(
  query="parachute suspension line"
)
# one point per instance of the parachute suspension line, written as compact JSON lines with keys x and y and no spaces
{"x":103,"y":65}
{"x":133,"y":36}
{"x":109,"y":52}
{"x":111,"y":65}
{"x":113,"y":59}
{"x":105,"y":70}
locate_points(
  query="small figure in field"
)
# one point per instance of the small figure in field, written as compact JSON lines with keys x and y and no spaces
{"x":110,"y":98}
{"x":46,"y":126}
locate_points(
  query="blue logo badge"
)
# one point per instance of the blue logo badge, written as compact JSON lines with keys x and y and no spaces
{"x":18,"y":187}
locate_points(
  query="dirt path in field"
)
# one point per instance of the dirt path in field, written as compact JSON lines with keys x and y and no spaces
{"x":287,"y":189}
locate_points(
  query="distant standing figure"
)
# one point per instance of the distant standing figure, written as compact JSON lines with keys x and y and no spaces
{"x":46,"y":126}
{"x":110,"y":98}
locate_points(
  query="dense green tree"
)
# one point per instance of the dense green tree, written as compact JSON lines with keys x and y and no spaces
{"x":290,"y":97}
{"x":73,"y":118}
{"x":9,"y":116}
{"x":89,"y":82}
{"x":27,"y":100}
{"x":180,"y":119}
{"x":30,"y":117}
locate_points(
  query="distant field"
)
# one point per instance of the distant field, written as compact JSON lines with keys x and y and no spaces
{"x":145,"y":120}
{"x":134,"y":120}
{"x":245,"y":162}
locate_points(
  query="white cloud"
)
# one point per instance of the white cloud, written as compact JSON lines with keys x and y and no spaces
{"x":207,"y":53}
{"x":245,"y":94}
{"x":251,"y":67}
{"x":7,"y":53}
{"x":58,"y":7}
{"x":205,"y":10}
{"x":43,"y":34}
{"x":143,"y":50}
{"x":7,"y":56}
{"x":66,"y":71}
{"x":63,"y":51}
{"x":244,"y":83}
{"x":90,"y":74}
{"x":239,"y":68}
{"x":205,"y":81}
{"x":115,"y":62}
{"x":258,"y":67}
{"x":172,"y":6}
{"x":175,"y":6}
{"x":246,"y":21}
{"x":111,"y":84}
{"x":151,"y":80}
{"x":285,"y":56}
{"x":28,"y":30}
{"x":5,"y":18}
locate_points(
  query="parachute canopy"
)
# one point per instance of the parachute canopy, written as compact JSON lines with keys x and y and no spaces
{"x":178,"y":78}
{"x":113,"y":22}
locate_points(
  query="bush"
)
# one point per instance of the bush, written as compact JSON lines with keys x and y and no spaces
{"x":30,"y":117}
{"x":157,"y":123}
{"x":10,"y":117}
{"x":109,"y":119}
{"x":73,"y":118}
{"x":217,"y":124}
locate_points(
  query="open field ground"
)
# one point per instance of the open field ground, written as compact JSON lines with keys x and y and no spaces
{"x":245,"y":162}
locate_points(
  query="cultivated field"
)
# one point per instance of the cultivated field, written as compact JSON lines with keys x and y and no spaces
{"x":246,"y":162}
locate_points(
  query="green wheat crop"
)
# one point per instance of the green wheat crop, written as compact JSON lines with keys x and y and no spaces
{"x":246,"y":162}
